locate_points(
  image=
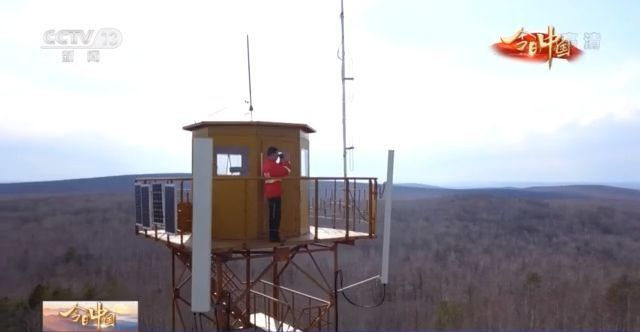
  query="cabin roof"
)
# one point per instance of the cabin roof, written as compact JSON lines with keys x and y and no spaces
{"x":203,"y":124}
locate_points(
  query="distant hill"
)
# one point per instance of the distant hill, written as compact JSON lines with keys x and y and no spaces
{"x":403,"y":191}
{"x":107,"y":184}
{"x":589,"y":191}
{"x":417,"y":185}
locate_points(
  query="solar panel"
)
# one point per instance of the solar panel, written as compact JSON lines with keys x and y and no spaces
{"x":156,"y":192}
{"x":145,"y":196}
{"x":170,"y":204}
{"x":138,"y":196}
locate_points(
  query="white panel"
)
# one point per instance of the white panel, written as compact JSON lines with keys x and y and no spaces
{"x":386,"y":236}
{"x":202,"y":169}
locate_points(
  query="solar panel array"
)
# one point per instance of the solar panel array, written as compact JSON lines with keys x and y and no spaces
{"x":138,"y":197}
{"x":145,"y":205}
{"x":156,"y":204}
{"x":170,"y":204}
{"x":158,"y":213}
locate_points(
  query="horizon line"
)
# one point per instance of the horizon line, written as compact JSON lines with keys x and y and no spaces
{"x":464,"y":184}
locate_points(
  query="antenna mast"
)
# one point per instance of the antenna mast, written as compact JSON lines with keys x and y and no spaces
{"x":344,"y":107}
{"x":249,"y":70}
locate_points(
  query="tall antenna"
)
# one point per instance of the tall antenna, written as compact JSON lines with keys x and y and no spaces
{"x":344,"y":104}
{"x":249,"y":70}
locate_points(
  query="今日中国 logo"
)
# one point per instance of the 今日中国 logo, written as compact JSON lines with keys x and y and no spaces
{"x":90,"y":316}
{"x":537,"y":47}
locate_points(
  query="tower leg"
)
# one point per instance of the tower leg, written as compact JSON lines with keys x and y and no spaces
{"x":335,"y":285}
{"x":276,"y":282}
{"x":247,"y":298}
{"x":221,"y":309}
{"x":173,"y":290}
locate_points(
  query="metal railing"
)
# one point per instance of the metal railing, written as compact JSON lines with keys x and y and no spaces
{"x":344,"y":203}
{"x":337,"y":203}
{"x":286,"y":307}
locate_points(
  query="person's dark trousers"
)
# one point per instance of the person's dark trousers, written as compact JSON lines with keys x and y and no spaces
{"x":274,"y":218}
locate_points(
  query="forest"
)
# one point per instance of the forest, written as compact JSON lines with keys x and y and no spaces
{"x":460,"y":260}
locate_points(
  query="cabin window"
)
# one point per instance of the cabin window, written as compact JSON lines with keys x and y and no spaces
{"x":304,"y":162}
{"x":231,"y":162}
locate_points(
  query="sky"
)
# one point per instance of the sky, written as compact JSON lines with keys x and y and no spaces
{"x":426,"y":84}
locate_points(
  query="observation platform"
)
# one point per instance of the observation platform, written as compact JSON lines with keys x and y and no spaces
{"x":334,"y":210}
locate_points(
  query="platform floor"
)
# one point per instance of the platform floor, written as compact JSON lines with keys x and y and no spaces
{"x":325,"y":234}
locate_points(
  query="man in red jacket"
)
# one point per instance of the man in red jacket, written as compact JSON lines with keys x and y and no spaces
{"x":274,"y":171}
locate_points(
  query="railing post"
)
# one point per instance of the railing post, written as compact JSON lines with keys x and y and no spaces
{"x":173,"y":290}
{"x":346,"y":206}
{"x":276,"y":283}
{"x":335,"y":196}
{"x":370,"y":206}
{"x":375,"y":205}
{"x":181,"y":191}
{"x":248,"y":285}
{"x":315,"y":212}
{"x":355,"y":203}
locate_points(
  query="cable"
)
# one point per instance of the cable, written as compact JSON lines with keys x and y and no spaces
{"x":201,"y":325}
{"x":344,"y":294}
{"x":228,"y":308}
{"x":215,"y":315}
{"x":195,"y":323}
{"x":335,"y":295}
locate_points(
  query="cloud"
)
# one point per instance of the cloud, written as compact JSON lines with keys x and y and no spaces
{"x":606,"y":150}
{"x":83,"y":156}
{"x":433,"y":103}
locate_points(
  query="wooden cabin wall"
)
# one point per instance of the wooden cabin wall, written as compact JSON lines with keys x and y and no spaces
{"x":239,"y":206}
{"x":235,"y":206}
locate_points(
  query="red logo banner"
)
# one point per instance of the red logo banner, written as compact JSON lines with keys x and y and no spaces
{"x":537,"y":47}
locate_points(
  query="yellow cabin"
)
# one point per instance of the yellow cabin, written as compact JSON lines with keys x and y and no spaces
{"x":239,"y":208}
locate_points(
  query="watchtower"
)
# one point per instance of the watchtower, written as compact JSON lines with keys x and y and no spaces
{"x":215,"y":224}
